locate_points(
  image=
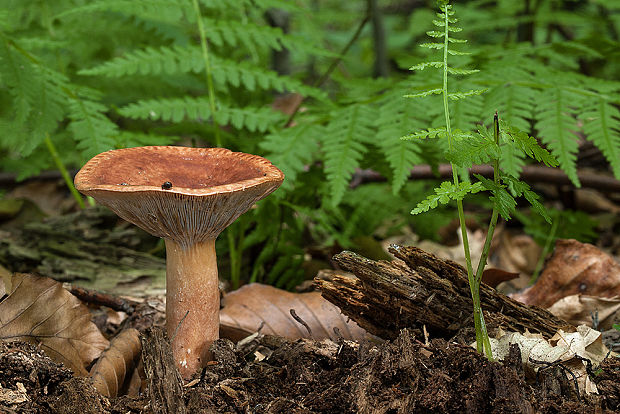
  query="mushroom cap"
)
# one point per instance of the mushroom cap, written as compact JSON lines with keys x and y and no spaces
{"x":210,"y":188}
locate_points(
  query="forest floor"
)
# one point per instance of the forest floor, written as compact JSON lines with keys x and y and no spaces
{"x":263,"y":373}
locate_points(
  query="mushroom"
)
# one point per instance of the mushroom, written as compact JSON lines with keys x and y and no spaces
{"x":186,"y":196}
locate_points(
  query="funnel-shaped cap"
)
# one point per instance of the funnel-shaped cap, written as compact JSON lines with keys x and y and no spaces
{"x":188,"y":195}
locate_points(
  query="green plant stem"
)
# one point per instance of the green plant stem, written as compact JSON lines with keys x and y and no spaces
{"x":482,"y":337}
{"x":545,"y":251}
{"x":63,"y":170}
{"x":205,"y":57}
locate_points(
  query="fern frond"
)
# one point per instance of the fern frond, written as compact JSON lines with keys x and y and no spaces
{"x":446,"y":192}
{"x":183,"y":59}
{"x":424,"y":65}
{"x":455,"y":96}
{"x":93,"y":130}
{"x":477,"y":149}
{"x":502,"y":200}
{"x":601,"y":124}
{"x":346,"y":140}
{"x":429,"y":92}
{"x":159,"y":10}
{"x":521,"y":188}
{"x":527,"y":144}
{"x":427,"y":133}
{"x":291,"y":150}
{"x":556,"y":126}
{"x":197,"y":109}
{"x":401,"y":155}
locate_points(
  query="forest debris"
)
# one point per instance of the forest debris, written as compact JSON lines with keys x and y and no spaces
{"x":38,"y":310}
{"x":17,"y":396}
{"x":517,"y":253}
{"x":112,"y":372}
{"x":581,"y":309}
{"x":493,"y":276}
{"x":164,"y":383}
{"x":573,"y":350}
{"x":255,"y":305}
{"x":574,"y":268}
{"x":421,"y":289}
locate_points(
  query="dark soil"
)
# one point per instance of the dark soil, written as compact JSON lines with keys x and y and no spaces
{"x":273,"y":375}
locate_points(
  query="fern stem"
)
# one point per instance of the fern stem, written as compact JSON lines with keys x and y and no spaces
{"x":205,"y":57}
{"x":482,"y":337}
{"x":63,"y":170}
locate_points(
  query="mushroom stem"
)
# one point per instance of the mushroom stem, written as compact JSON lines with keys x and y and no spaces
{"x":192,"y":303}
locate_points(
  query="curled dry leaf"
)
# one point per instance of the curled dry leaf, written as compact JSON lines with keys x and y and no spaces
{"x":38,"y":310}
{"x":494,"y":277}
{"x":574,"y":268}
{"x":578,"y":310}
{"x":115,"y":368}
{"x":571,"y":349}
{"x":253,"y":305}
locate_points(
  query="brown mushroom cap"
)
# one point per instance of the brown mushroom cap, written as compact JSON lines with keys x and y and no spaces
{"x":211,"y":187}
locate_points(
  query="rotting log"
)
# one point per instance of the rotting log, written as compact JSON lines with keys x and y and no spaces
{"x":419,"y":289}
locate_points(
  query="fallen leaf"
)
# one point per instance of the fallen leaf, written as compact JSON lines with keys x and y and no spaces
{"x":571,"y":349}
{"x":579,"y":309}
{"x":519,"y":253}
{"x":494,"y":277}
{"x":574,"y":268}
{"x":39,"y":311}
{"x":255,"y":305}
{"x":116,"y":366}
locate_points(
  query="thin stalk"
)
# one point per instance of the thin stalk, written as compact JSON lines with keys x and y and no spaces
{"x":205,"y":57}
{"x":63,"y":170}
{"x":482,"y":337}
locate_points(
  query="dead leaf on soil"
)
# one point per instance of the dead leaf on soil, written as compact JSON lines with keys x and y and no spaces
{"x":568,"y":348}
{"x":115,"y":367}
{"x":253,"y":305}
{"x":494,"y":277}
{"x":38,"y":310}
{"x":574,"y":268}
{"x":9,"y":396}
{"x":578,"y":310}
{"x":517,"y":253}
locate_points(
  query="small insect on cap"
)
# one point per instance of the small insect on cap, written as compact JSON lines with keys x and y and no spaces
{"x":188,"y":195}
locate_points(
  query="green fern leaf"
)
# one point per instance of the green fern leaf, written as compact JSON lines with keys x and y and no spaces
{"x":291,"y":150}
{"x":424,"y":65}
{"x":346,"y":140}
{"x":601,"y":123}
{"x":401,"y":155}
{"x":446,"y":192}
{"x":555,"y":125}
{"x":477,"y":149}
{"x":461,"y":95}
{"x":521,"y":188}
{"x":92,"y":129}
{"x":425,"y":93}
{"x":427,"y":133}
{"x":502,"y":200}
{"x":527,"y":144}
{"x":197,"y":109}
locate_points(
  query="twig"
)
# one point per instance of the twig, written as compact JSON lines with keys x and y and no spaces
{"x":103,"y":299}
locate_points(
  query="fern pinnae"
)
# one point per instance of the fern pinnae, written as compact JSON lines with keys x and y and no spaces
{"x":601,"y":123}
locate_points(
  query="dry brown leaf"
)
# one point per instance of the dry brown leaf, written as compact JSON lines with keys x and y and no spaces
{"x":578,"y":310}
{"x":38,"y":310}
{"x":574,"y":268}
{"x":494,"y":276}
{"x":571,"y":349}
{"x":253,"y":305}
{"x":116,"y":366}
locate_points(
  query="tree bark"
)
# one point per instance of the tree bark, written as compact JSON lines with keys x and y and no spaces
{"x":421,"y":290}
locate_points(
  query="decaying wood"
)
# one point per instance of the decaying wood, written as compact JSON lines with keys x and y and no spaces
{"x":164,"y":383}
{"x":420,"y":289}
